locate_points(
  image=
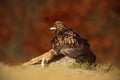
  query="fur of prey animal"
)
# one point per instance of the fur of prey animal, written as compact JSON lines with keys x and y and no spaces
{"x":69,"y":43}
{"x":44,"y":59}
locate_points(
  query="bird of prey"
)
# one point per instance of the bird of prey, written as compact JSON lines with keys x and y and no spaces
{"x":66,"y":42}
{"x":69,"y":43}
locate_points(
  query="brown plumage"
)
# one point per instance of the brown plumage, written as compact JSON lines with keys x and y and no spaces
{"x":69,"y":43}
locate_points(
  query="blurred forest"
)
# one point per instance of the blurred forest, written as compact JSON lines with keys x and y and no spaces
{"x":24,"y":27}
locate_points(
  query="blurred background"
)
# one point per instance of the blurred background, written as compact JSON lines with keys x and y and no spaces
{"x":24,"y":27}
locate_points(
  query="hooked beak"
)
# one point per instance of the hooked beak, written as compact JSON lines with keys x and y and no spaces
{"x":53,"y":29}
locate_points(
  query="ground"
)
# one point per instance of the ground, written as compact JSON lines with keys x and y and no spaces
{"x":60,"y":70}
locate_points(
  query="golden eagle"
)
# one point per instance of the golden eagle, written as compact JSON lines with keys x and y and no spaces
{"x":68,"y":43}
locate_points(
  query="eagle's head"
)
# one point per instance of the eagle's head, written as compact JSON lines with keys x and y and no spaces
{"x":58,"y":26}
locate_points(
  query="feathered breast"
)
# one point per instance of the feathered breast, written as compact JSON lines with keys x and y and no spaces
{"x":68,"y":39}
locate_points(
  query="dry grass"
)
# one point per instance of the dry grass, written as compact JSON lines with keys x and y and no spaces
{"x":72,"y":71}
